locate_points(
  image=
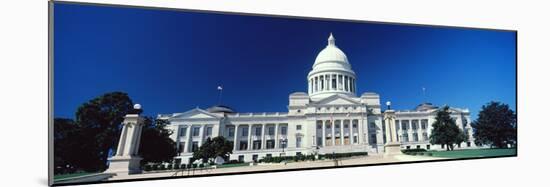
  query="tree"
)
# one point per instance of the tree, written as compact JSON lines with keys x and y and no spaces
{"x":156,"y":146}
{"x":445,"y":131}
{"x":212,"y":148}
{"x":496,"y":125}
{"x":65,"y":144}
{"x":100,"y":122}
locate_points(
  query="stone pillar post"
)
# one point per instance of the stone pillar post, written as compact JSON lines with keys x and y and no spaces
{"x":392,"y":147}
{"x":126,"y":161}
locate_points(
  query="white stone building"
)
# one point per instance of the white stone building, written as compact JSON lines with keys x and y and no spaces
{"x":329,"y":118}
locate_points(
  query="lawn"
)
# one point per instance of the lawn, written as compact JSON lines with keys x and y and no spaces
{"x":474,"y":153}
{"x":233,"y":165}
{"x":69,"y":175}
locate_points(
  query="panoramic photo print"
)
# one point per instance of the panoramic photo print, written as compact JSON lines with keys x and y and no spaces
{"x":143,"y":93}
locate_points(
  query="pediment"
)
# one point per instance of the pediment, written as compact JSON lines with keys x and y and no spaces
{"x":337,"y":100}
{"x":195,"y":114}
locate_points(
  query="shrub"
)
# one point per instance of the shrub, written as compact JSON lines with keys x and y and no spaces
{"x":413,"y":150}
{"x":155,"y":167}
{"x":176,"y":166}
{"x":162,"y":167}
{"x":148,"y":168}
{"x":169,"y":167}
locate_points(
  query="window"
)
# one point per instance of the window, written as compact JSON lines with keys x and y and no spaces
{"x":196,"y":131}
{"x":298,"y":127}
{"x":415,"y":137}
{"x":424,"y":124}
{"x":408,"y":147}
{"x":468,"y":144}
{"x":339,"y":82}
{"x":241,"y":158}
{"x":354,"y":139}
{"x":405,"y":137}
{"x":271,"y":131}
{"x":414,"y":125}
{"x":270,"y":144}
{"x":404,"y":125}
{"x":230,"y":132}
{"x":298,"y":153}
{"x":195,"y":146}
{"x":208,"y":131}
{"x":346,"y":126}
{"x":373,"y":138}
{"x":182,"y":147}
{"x":243,"y":145}
{"x":354,"y":126}
{"x":183,"y":131}
{"x":258,"y":131}
{"x":425,"y":136}
{"x":298,"y":142}
{"x":417,"y":146}
{"x":428,"y":147}
{"x":373,"y":125}
{"x":333,"y":82}
{"x":319,"y":141}
{"x":268,"y":155}
{"x":322,"y":83}
{"x":255,"y":158}
{"x":244,"y":132}
{"x":283,"y":130}
{"x":346,"y":83}
{"x":257,"y":144}
{"x":283,"y":143}
{"x":319,"y":126}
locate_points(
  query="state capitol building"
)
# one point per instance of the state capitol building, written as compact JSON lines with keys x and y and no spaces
{"x":329,"y":118}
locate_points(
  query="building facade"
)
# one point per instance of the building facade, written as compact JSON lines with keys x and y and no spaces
{"x":329,"y":118}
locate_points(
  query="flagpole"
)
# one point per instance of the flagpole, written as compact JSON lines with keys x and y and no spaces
{"x":220,"y":88}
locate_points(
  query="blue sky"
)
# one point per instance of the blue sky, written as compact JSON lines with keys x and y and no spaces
{"x":173,"y":61}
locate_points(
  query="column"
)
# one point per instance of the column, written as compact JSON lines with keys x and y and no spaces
{"x":262,"y":145}
{"x":366,"y":130}
{"x":201,"y":134}
{"x":323,"y":136}
{"x":329,"y":82}
{"x":327,"y":77}
{"x":342,"y":134}
{"x":187,"y":137}
{"x":332,"y":133}
{"x":276,"y":137}
{"x":249,"y":146}
{"x":351,"y":133}
{"x":235,"y":143}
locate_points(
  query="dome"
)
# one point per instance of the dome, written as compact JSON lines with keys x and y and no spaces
{"x":331,"y":53}
{"x":220,"y":109}
{"x":425,"y":107}
{"x":331,"y":73}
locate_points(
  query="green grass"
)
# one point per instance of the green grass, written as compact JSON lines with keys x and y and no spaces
{"x":474,"y":153}
{"x":233,"y":165}
{"x":69,"y":175}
